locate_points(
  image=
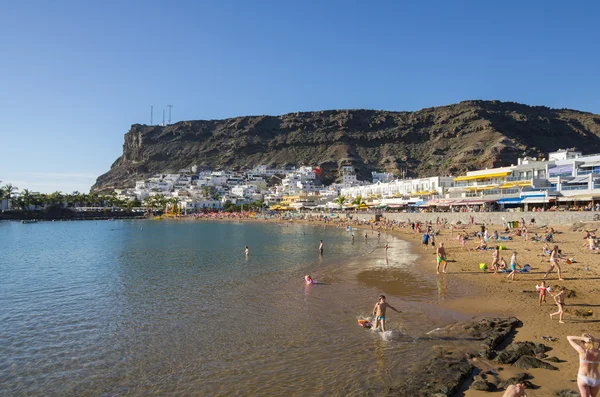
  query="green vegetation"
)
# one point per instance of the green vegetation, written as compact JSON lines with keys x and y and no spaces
{"x":27,"y":200}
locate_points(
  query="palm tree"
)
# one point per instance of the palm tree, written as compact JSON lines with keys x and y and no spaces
{"x":91,"y":199}
{"x":9,"y":189}
{"x":206,"y":191}
{"x":358,"y":201}
{"x":38,"y":199}
{"x":26,"y":199}
{"x":340,"y":200}
{"x":56,"y":198}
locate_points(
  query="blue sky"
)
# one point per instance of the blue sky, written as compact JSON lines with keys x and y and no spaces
{"x":74,"y":75}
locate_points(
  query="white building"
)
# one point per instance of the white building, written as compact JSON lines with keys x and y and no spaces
{"x":195,"y":205}
{"x":382,"y":176}
{"x":419,"y":187}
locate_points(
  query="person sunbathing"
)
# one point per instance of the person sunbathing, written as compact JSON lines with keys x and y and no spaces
{"x":482,"y":246}
{"x":591,"y":243}
{"x":545,"y":250}
{"x":502,"y":264}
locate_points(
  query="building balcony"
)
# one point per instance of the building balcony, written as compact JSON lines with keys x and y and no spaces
{"x":576,"y":187}
{"x":584,"y":172}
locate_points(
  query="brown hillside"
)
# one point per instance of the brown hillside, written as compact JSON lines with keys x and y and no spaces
{"x":435,"y":141}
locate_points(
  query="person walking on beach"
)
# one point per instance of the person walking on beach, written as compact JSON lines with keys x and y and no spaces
{"x":441,"y":257}
{"x":425,"y":240}
{"x":554,"y":258}
{"x":560,"y":301}
{"x":495,"y":258}
{"x":379,"y":312}
{"x":321,"y":247}
{"x":588,"y":378}
{"x":513,"y":266}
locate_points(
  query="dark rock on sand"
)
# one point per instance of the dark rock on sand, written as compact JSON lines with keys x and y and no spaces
{"x":568,"y":393}
{"x":518,"y":349}
{"x":483,"y":385}
{"x":444,"y":374}
{"x":480,"y":382}
{"x":555,"y":359}
{"x":518,"y":378}
{"x":528,"y":362}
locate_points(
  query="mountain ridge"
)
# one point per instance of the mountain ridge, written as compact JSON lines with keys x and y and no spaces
{"x":433,"y":141}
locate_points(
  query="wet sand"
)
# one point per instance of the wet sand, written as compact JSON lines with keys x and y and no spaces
{"x":493,"y":294}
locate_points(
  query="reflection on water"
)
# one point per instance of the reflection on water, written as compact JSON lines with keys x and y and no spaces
{"x":441,"y":287}
{"x":177,"y":308}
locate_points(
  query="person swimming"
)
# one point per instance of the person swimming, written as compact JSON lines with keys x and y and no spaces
{"x":309,"y":280}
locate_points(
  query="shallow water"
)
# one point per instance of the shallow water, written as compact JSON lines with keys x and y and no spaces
{"x":175,"y":308}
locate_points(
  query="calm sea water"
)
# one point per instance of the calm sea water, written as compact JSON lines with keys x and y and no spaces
{"x":175,"y":308}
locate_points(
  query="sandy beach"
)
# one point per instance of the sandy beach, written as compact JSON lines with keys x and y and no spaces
{"x":494,"y":295}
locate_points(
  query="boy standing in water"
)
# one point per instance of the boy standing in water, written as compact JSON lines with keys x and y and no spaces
{"x":379,"y":312}
{"x":441,"y":257}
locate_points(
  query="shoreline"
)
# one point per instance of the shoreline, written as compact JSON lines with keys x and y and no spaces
{"x":490,"y":295}
{"x":483,"y":294}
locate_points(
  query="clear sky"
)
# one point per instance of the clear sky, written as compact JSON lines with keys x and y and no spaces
{"x":74,"y":75}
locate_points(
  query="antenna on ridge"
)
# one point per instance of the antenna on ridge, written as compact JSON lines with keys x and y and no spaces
{"x":163,"y":124}
{"x":151,"y":113}
{"x":170,"y":107}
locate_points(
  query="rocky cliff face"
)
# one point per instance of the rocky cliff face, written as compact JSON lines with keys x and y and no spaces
{"x":435,"y":141}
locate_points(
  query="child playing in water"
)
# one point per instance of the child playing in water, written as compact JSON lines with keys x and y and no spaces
{"x":379,"y":312}
{"x":309,"y":280}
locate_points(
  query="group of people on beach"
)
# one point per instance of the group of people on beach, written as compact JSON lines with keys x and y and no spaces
{"x":588,"y":378}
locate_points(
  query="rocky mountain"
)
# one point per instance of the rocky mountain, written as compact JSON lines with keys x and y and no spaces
{"x":435,"y":141}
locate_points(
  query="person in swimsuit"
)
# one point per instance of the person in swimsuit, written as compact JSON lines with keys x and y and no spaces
{"x":379,"y":312}
{"x":441,"y":257}
{"x":495,"y":258}
{"x":502,"y":264}
{"x":588,"y":378}
{"x":513,"y":266}
{"x":560,"y":301}
{"x":247,"y":250}
{"x":542,"y":289}
{"x":554,"y":258}
{"x":321,"y":247}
